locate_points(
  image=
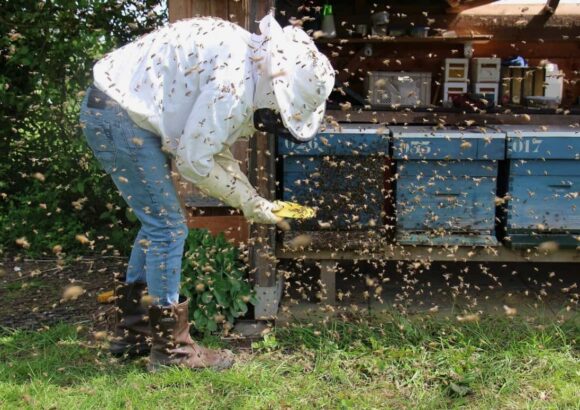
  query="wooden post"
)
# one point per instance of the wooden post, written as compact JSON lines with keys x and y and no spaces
{"x":263,"y":237}
{"x":267,"y":284}
{"x":328,"y":281}
{"x":262,"y":162}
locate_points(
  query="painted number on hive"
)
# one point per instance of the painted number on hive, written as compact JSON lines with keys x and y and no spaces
{"x":416,"y":147}
{"x":307,"y":146}
{"x":526,"y":145}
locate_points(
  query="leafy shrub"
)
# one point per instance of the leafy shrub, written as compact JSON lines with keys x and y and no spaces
{"x":214,"y":279}
{"x":51,"y":188}
{"x":73,"y":196}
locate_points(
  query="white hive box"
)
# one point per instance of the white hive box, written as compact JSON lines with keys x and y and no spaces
{"x":490,"y":91}
{"x":456,"y":69}
{"x":451,"y":89}
{"x":486,"y":70}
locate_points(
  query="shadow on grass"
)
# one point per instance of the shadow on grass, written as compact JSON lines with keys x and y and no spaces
{"x":393,"y":331}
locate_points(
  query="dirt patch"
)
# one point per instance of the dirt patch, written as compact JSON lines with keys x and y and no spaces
{"x":32,"y":291}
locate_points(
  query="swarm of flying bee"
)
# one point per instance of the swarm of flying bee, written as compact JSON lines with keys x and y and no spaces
{"x":399,"y":225}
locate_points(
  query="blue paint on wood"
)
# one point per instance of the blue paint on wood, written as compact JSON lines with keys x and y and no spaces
{"x":352,"y":205}
{"x":543,"y":148}
{"x":340,"y":173}
{"x":351,"y":141}
{"x":544,"y":168}
{"x":544,"y":203}
{"x":452,"y":205}
{"x":416,"y":143}
{"x":448,"y":169}
{"x":447,"y":181}
{"x":549,"y":143}
{"x":544,"y":183}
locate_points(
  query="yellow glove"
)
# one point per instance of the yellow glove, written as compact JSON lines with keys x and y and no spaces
{"x":262,"y":211}
{"x":230,"y":185}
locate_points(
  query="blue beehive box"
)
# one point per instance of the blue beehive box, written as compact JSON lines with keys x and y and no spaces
{"x":341,"y":173}
{"x":446,"y":185}
{"x":543,"y":185}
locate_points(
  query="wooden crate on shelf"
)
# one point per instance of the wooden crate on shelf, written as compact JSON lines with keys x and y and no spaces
{"x":456,"y":69}
{"x":486,"y":70}
{"x":490,"y":91}
{"x":388,"y":89}
{"x":521,"y":82}
{"x":452,"y":90}
{"x":543,"y":185}
{"x":343,"y":174}
{"x":446,"y":186}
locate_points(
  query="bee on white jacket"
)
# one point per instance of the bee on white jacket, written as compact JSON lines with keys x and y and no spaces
{"x":196,"y":83}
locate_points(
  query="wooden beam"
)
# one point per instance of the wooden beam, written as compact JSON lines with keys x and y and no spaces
{"x":544,"y":16}
{"x":179,"y":9}
{"x":328,"y":281}
{"x":475,"y":38}
{"x":256,"y":10}
{"x":263,"y":237}
{"x":439,"y":116}
{"x":435,"y":253}
{"x":550,"y":6}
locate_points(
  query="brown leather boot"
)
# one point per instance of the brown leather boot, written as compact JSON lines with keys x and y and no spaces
{"x":173,"y":346}
{"x":132,"y":334}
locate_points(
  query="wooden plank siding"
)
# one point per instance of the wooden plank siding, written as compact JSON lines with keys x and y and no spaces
{"x":233,"y":10}
{"x":516,"y":30}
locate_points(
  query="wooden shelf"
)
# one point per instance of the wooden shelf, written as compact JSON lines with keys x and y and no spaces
{"x":369,"y":245}
{"x":438,"y":115}
{"x":479,"y":38}
{"x":426,"y":253}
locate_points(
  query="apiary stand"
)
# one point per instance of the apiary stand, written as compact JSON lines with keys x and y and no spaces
{"x":267,"y":283}
{"x":328,"y":280}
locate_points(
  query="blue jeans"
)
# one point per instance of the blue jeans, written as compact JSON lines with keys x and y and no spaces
{"x":133,"y":157}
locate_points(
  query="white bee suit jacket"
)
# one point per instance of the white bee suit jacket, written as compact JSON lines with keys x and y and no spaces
{"x":193,"y":83}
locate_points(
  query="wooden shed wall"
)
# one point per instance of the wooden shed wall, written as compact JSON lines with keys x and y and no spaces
{"x":517,"y":29}
{"x":233,"y":10}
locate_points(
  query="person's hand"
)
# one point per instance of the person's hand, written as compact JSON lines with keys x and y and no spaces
{"x":260,"y":210}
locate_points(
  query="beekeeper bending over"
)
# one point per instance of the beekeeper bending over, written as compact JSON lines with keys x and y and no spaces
{"x":189,"y":91}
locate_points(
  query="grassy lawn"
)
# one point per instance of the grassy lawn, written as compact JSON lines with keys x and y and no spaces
{"x":414,"y":363}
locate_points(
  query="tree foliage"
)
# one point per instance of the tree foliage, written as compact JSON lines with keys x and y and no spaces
{"x":51,"y":189}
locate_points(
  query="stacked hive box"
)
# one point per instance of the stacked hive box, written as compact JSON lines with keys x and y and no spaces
{"x":446,"y":186}
{"x":456,"y":78}
{"x":486,"y":77}
{"x":543,"y":186}
{"x":343,"y":174}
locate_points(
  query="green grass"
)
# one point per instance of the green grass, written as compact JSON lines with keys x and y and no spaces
{"x":413,"y":363}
